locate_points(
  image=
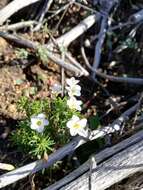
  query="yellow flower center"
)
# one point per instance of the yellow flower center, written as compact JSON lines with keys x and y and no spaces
{"x":72,"y":106}
{"x":39,"y":123}
{"x":76,"y":126}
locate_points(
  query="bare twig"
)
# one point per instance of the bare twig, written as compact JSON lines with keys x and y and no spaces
{"x":59,"y":11}
{"x":45,"y":8}
{"x":106,"y":8}
{"x":130,"y":80}
{"x":17,"y":26}
{"x":60,"y":20}
{"x":99,"y":44}
{"x":87,"y":8}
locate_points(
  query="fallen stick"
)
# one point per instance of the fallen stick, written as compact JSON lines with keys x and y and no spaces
{"x":14,"y":7}
{"x":106,"y":7}
{"x":98,"y":48}
{"x":137,"y":17}
{"x":129,"y":80}
{"x":17,"y":26}
{"x":42,"y":13}
{"x":20,"y":173}
{"x":66,"y":39}
{"x":63,"y":41}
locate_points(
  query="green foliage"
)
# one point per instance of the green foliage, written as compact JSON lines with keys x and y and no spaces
{"x":41,"y":144}
{"x":94,"y":122}
{"x":130,"y":43}
{"x":33,"y":107}
{"x":54,"y":135}
{"x":21,"y":53}
{"x":30,"y":141}
{"x":43,"y":53}
{"x":60,"y":114}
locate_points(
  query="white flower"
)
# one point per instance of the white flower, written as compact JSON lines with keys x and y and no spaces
{"x":77,"y":126}
{"x":39,"y":122}
{"x":73,"y":88}
{"x":56,"y":89}
{"x":72,"y":81}
{"x":73,"y":103}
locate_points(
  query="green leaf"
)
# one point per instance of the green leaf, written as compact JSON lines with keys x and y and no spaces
{"x":94,"y":122}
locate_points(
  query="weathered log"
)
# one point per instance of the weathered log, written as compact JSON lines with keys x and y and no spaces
{"x":105,"y":154}
{"x":111,"y":171}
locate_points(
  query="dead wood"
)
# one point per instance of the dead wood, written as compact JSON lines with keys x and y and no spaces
{"x":105,"y":154}
{"x":111,"y":171}
{"x":14,"y":7}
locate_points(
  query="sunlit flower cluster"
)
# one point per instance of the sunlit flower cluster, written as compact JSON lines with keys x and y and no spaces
{"x":73,"y":90}
{"x":75,"y":124}
{"x":73,"y":103}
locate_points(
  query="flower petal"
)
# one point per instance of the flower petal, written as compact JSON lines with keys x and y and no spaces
{"x":72,"y":81}
{"x":74,"y":90}
{"x":83,"y":132}
{"x":33,"y":126}
{"x":73,"y":103}
{"x":33,"y":120}
{"x":40,"y":129}
{"x":56,"y":88}
{"x":82,"y":123}
{"x":75,"y":118}
{"x":73,"y":132}
{"x":45,"y":122}
{"x":41,"y":115}
{"x":70,"y":124}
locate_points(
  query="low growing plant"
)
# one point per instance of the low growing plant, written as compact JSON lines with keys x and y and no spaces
{"x":49,"y":122}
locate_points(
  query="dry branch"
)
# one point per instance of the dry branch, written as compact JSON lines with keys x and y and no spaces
{"x":66,"y":39}
{"x":137,"y":17}
{"x":68,"y":65}
{"x":42,"y":13}
{"x":14,"y":7}
{"x":129,"y":80}
{"x":106,"y":7}
{"x":17,"y":26}
{"x":63,"y":41}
